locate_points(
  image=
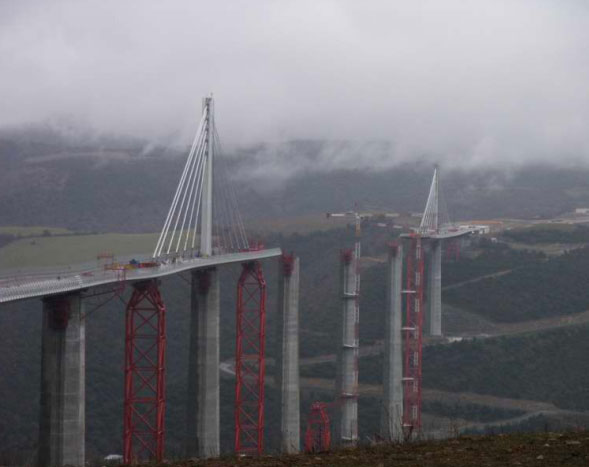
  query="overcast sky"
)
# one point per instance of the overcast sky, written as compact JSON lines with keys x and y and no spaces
{"x":455,"y":80}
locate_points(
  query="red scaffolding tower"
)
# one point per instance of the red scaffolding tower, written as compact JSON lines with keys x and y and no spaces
{"x":318,"y":433}
{"x":453,"y":249}
{"x":145,"y":346}
{"x":413,"y":337}
{"x":250,"y":360}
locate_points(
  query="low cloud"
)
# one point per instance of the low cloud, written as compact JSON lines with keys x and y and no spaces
{"x":475,"y":83}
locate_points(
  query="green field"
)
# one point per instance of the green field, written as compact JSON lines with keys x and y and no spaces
{"x":554,"y":226}
{"x":35,"y":231}
{"x":72,"y":249}
{"x":547,"y":236}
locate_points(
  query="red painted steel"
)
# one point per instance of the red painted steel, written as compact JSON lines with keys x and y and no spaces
{"x":318,"y":433}
{"x":250,"y":365}
{"x":60,"y":310}
{"x":413,"y":337}
{"x":287,"y":262}
{"x":145,"y":347}
{"x":453,"y":249}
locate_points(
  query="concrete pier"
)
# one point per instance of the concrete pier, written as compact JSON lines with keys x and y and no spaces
{"x":434,"y":292}
{"x":63,"y":367}
{"x":202,"y":438}
{"x":288,"y":353}
{"x":391,"y":417}
{"x":346,"y":426}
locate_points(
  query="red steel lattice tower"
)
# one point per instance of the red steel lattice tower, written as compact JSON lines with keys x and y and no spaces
{"x":250,"y":360}
{"x":145,"y":346}
{"x":318,"y":433}
{"x":413,"y":337}
{"x":453,"y":249}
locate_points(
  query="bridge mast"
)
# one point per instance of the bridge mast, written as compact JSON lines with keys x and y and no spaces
{"x":428,"y":232}
{"x":430,"y":222}
{"x":206,"y":228}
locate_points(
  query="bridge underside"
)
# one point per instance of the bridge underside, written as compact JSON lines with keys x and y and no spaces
{"x":61,"y":438}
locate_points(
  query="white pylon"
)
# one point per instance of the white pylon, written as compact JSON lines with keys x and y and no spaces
{"x":195,"y":188}
{"x":206,"y":228}
{"x":430,"y":219}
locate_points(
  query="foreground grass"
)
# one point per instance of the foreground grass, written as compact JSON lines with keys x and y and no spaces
{"x":545,"y":449}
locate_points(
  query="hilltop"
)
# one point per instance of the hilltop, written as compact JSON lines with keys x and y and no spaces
{"x":88,"y":182}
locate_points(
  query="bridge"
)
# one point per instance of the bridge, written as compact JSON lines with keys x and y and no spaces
{"x":402,"y":366}
{"x":401,"y":418}
{"x":434,"y":228}
{"x":202,"y":232}
{"x":77,"y":279}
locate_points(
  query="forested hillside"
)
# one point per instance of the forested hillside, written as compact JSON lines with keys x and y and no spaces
{"x":548,"y":234}
{"x":89,"y":182}
{"x":554,"y":287}
{"x":548,"y":366}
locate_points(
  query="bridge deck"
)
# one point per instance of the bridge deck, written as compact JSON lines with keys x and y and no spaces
{"x":442,"y":235}
{"x":31,"y":286}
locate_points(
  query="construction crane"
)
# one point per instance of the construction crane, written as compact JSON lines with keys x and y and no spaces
{"x":358,"y":217}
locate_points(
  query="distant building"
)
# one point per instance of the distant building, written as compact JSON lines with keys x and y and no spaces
{"x":477,"y":228}
{"x":582,"y":211}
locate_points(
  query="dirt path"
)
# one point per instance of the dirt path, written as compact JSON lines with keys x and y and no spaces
{"x":477,"y":279}
{"x":375,"y":390}
{"x":542,"y":324}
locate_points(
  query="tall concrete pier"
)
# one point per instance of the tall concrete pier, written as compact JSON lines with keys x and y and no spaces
{"x":288,"y":356}
{"x":434,"y":292}
{"x":63,"y":368}
{"x":203,"y":373}
{"x":391,"y":416}
{"x":346,"y":426}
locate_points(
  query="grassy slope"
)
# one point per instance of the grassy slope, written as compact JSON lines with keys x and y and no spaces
{"x":546,"y":449}
{"x":24,"y":231}
{"x":66,"y":250}
{"x":69,"y":249}
{"x":551,"y":288}
{"x":549,"y":233}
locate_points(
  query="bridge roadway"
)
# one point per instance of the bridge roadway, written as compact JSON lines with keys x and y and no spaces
{"x":27,"y":286}
{"x":442,"y":234}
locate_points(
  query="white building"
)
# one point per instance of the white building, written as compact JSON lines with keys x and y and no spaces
{"x":476,"y":228}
